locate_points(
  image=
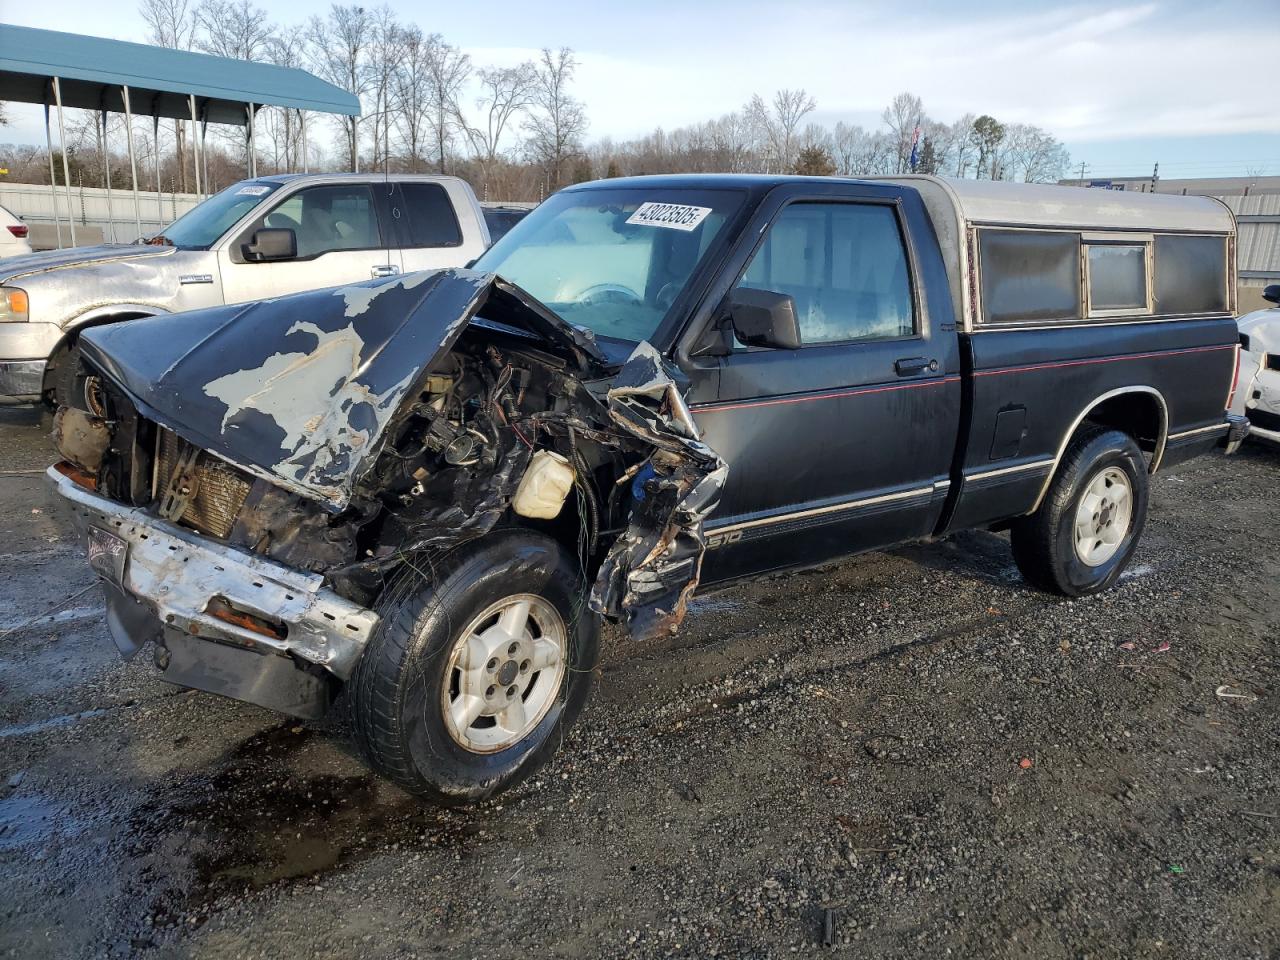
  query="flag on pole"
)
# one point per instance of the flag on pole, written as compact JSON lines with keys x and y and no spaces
{"x":915,"y":149}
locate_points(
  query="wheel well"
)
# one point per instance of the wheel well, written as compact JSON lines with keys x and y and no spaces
{"x":1139,"y":414}
{"x":59,"y":353}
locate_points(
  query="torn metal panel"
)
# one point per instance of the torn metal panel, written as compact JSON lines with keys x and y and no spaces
{"x":300,"y":390}
{"x":654,"y":566}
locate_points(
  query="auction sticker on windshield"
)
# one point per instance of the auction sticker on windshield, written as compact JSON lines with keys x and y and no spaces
{"x":673,"y":216}
{"x":252,"y":191}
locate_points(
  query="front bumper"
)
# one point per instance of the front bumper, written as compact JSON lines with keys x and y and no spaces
{"x":25,"y":348}
{"x":22,"y":379}
{"x":173,"y":581}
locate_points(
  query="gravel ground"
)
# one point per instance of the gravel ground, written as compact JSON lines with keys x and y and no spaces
{"x":912,"y":745}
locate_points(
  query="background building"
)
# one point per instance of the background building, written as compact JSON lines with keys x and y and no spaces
{"x":1256,"y":203}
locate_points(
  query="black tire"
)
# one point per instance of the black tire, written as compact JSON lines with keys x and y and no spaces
{"x":1044,"y":544}
{"x":395,"y":692}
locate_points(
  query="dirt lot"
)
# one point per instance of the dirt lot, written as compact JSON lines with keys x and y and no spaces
{"x":953,"y":764}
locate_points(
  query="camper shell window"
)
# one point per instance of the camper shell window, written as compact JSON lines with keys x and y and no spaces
{"x":1191,"y":274}
{"x":1029,"y":276}
{"x":1116,"y":271}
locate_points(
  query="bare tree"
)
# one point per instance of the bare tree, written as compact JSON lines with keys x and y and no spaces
{"x":171,"y":23}
{"x":776,"y":125}
{"x":283,"y":125}
{"x":1030,"y":154}
{"x":431,"y":76}
{"x":339,"y":50}
{"x":450,"y":69}
{"x":557,"y":122}
{"x":411,"y":96}
{"x":239,"y":30}
{"x":386,"y":50}
{"x":232,"y":28}
{"x":505,"y":93}
{"x":731,"y":140}
{"x":903,"y":116}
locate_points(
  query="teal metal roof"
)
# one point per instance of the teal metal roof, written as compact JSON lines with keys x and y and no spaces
{"x":91,"y":71}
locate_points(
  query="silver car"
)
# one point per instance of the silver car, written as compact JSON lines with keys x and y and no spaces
{"x":259,"y":238}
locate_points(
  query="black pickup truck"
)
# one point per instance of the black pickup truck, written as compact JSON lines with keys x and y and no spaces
{"x":427,"y":491}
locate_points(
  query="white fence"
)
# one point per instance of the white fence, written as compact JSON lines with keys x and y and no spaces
{"x":90,"y":208}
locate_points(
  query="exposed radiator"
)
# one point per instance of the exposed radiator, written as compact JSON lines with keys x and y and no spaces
{"x":196,"y":489}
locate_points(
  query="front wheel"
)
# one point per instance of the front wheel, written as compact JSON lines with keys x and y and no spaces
{"x":473,"y":678}
{"x":1085,"y":531}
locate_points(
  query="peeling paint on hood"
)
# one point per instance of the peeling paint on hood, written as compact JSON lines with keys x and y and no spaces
{"x":300,"y":389}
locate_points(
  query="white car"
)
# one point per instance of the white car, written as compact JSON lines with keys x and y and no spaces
{"x":13,"y":236}
{"x":1257,"y":393}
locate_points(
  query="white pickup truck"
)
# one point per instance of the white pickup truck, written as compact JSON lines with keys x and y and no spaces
{"x":258,"y":238}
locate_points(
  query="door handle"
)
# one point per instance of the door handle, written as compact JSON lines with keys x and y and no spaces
{"x":908,"y":366}
{"x":384,"y":270}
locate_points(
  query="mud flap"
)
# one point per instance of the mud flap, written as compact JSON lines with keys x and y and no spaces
{"x":653,"y":567}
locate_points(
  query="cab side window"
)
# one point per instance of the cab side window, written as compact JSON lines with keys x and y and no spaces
{"x":329,"y":218}
{"x":844,"y":265}
{"x":431,"y":220}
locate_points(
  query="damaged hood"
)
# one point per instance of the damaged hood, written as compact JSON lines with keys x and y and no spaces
{"x":24,"y":265}
{"x":299,"y":390}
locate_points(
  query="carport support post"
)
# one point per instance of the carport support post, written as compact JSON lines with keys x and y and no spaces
{"x":195,"y":145}
{"x":155,"y":143}
{"x":133,"y":159}
{"x":53,"y":181}
{"x":306,"y":160}
{"x":253,"y":148}
{"x":204,"y":150}
{"x":106,"y":167}
{"x":66,"y":170}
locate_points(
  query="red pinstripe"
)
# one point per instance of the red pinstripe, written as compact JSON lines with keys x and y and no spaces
{"x":829,"y":395}
{"x":1079,"y":363}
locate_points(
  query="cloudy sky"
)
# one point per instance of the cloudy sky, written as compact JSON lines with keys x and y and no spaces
{"x":1191,"y":84}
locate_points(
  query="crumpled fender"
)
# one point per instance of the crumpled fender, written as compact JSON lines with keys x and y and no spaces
{"x":652,"y":569}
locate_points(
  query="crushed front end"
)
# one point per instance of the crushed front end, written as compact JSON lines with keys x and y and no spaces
{"x":249,"y":480}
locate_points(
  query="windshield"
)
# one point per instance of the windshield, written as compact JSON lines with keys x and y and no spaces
{"x":200,"y":227}
{"x":613,"y":261}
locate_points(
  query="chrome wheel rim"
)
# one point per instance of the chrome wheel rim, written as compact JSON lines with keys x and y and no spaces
{"x":503,"y":674}
{"x":1103,"y":516}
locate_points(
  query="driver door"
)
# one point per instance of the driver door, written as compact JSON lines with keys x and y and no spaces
{"x":340,"y":236}
{"x":844,"y":444}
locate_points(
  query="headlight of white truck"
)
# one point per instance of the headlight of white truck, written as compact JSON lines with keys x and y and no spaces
{"x":13,"y":305}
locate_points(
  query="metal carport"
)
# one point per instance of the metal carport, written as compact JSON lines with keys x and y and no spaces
{"x":114,"y":76}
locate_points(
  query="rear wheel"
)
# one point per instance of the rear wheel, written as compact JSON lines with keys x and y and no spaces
{"x":1085,"y":531}
{"x":472,"y":679}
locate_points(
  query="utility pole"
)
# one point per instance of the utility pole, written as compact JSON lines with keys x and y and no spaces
{"x":1155,"y":176}
{"x":1083,"y":167}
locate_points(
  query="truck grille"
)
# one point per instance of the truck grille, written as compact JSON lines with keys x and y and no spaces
{"x":196,"y":489}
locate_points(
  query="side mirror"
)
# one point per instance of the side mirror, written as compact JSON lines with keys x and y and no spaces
{"x":763,"y":318}
{"x":271,"y":243}
{"x":1271,"y":292}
